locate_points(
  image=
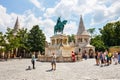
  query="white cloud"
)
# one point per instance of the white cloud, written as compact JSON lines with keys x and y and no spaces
{"x":26,"y":20}
{"x":70,"y":28}
{"x":63,"y":8}
{"x":38,"y":4}
{"x":67,"y":8}
{"x":49,"y":13}
{"x":30,"y":21}
{"x":104,"y":13}
{"x":3,"y":16}
{"x":48,"y":28}
{"x":100,"y":11}
{"x":5,"y":19}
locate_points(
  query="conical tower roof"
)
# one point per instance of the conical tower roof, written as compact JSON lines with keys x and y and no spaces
{"x":81,"y":27}
{"x":16,"y":26}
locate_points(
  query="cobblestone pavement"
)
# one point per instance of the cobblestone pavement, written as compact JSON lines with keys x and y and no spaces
{"x":83,"y":70}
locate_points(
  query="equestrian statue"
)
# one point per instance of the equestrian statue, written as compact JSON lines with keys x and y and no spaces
{"x":59,"y":27}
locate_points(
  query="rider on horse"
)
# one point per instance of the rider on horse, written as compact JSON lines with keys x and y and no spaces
{"x":59,"y":26}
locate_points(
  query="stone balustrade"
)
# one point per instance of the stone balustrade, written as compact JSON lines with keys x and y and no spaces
{"x":58,"y":59}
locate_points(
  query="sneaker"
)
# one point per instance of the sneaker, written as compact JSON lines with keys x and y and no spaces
{"x":101,"y":66}
{"x":51,"y":69}
{"x":115,"y":63}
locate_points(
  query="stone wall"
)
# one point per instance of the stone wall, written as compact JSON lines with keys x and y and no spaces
{"x":114,"y":48}
{"x":58,"y":59}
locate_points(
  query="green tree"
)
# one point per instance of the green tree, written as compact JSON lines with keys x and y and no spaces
{"x":91,"y":31}
{"x":1,"y":39}
{"x":111,"y":34}
{"x":36,"y":39}
{"x":117,"y":33}
{"x":98,"y":43}
{"x":2,"y":42}
{"x":22,"y":36}
{"x":12,"y":42}
{"x":71,"y":38}
{"x":108,"y":34}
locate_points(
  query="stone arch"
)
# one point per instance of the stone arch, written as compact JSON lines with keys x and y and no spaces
{"x":91,"y":53}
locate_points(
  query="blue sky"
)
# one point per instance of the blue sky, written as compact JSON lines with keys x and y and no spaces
{"x":95,"y":13}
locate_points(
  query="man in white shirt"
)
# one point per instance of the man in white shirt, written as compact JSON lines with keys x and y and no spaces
{"x":53,"y":62}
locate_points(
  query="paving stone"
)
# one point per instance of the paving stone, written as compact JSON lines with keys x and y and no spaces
{"x":85,"y":70}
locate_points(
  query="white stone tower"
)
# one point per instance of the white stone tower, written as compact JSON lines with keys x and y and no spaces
{"x":82,"y":39}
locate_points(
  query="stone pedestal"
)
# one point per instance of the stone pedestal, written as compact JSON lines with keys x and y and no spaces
{"x":59,"y":45}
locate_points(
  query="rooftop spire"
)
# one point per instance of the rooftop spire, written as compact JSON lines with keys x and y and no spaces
{"x":17,"y":26}
{"x":81,"y":27}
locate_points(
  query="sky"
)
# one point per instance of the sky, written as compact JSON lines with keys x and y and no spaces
{"x":95,"y":14}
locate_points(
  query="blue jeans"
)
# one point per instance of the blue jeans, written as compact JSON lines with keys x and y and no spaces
{"x":119,"y":58}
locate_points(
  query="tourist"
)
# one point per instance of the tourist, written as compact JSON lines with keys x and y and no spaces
{"x":79,"y":56}
{"x":85,"y":54}
{"x":20,"y":57}
{"x":6,"y":56}
{"x":110,"y":57}
{"x":115,"y":57}
{"x":105,"y":58}
{"x":33,"y":60}
{"x":96,"y":58}
{"x":73,"y":56}
{"x":119,"y":57}
{"x":102,"y":58}
{"x":53,"y":62}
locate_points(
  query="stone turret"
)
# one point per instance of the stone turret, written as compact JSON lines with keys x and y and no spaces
{"x":16,"y":26}
{"x":81,"y":27}
{"x":82,"y":35}
{"x":82,"y":40}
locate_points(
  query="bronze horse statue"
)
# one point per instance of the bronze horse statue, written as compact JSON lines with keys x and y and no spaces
{"x":59,"y":27}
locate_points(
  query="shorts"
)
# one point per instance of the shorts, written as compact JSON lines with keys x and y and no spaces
{"x":102,"y":61}
{"x":53,"y":63}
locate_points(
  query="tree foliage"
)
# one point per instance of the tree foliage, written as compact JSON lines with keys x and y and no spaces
{"x":12,"y":42}
{"x":36,"y":39}
{"x":71,"y":38}
{"x":111,"y":34}
{"x":2,"y":42}
{"x":22,"y":35}
{"x":98,"y":43}
{"x":91,"y":31}
{"x":22,"y":41}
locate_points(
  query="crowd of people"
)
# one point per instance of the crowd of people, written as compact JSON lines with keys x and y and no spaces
{"x":106,"y":58}
{"x":102,"y":58}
